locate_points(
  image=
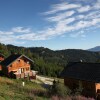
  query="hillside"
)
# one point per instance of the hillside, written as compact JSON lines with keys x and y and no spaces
{"x":49,"y":62}
{"x":11,"y":89}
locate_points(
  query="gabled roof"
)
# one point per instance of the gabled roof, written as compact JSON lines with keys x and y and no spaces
{"x":82,"y":71}
{"x":9,"y":60}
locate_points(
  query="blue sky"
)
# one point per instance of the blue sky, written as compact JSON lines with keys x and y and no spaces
{"x":55,"y":24}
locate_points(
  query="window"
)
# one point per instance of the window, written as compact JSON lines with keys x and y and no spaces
{"x":27,"y":69}
{"x":18,"y":61}
{"x":22,"y":70}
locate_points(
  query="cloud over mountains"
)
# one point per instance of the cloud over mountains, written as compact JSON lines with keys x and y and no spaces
{"x":63,"y":17}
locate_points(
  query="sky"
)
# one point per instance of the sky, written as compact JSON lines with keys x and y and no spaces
{"x":54,"y":24}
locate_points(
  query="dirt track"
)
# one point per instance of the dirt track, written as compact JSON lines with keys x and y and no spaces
{"x":45,"y":80}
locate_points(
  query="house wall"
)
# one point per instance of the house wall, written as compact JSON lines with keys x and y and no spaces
{"x":21,"y":63}
{"x":89,"y":89}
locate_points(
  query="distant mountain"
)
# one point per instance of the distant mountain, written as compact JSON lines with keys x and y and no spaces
{"x":95,"y":49}
{"x":51,"y":56}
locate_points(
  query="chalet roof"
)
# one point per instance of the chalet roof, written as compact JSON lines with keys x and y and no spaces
{"x":82,"y":71}
{"x":9,"y":60}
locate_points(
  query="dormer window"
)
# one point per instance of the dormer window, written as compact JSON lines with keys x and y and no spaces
{"x":18,"y":60}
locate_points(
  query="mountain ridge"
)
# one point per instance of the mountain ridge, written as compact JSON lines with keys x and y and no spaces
{"x":94,"y":49}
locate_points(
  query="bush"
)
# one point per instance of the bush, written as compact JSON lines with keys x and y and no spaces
{"x":78,"y":91}
{"x":59,"y":89}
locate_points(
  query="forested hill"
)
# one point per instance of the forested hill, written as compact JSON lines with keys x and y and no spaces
{"x":49,"y":62}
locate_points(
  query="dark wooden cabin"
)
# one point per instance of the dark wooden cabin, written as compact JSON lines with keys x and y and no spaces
{"x":18,"y":66}
{"x":88,"y":74}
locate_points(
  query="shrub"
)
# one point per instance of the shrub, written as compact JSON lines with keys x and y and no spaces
{"x":78,"y":91}
{"x":59,"y":89}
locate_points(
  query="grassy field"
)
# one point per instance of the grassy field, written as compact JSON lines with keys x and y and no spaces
{"x":11,"y":89}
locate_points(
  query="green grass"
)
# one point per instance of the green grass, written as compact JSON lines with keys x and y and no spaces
{"x":11,"y":89}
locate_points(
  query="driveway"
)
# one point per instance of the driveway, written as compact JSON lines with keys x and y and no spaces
{"x":45,"y":80}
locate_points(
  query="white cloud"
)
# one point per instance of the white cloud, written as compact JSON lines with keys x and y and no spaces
{"x":65,"y":18}
{"x":7,"y":39}
{"x":5,"y":33}
{"x":21,"y":30}
{"x":28,"y":36}
{"x":80,"y":16}
{"x":97,"y":5}
{"x":78,"y":34}
{"x":81,"y":21}
{"x":61,"y":16}
{"x":60,"y":7}
{"x":84,"y":9}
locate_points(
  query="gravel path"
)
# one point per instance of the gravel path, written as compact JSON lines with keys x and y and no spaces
{"x":45,"y":80}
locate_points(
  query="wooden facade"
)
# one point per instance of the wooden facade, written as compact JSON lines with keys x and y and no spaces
{"x":18,"y":66}
{"x":89,"y":88}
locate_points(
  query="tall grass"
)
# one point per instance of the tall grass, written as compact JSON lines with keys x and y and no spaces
{"x":11,"y":89}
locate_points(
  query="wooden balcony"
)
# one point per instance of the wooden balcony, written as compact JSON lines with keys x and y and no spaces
{"x":31,"y":75}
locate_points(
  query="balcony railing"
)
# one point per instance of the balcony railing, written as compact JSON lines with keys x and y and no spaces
{"x":30,"y":74}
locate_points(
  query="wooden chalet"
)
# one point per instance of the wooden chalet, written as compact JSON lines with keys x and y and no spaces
{"x":18,"y":66}
{"x":88,"y":74}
